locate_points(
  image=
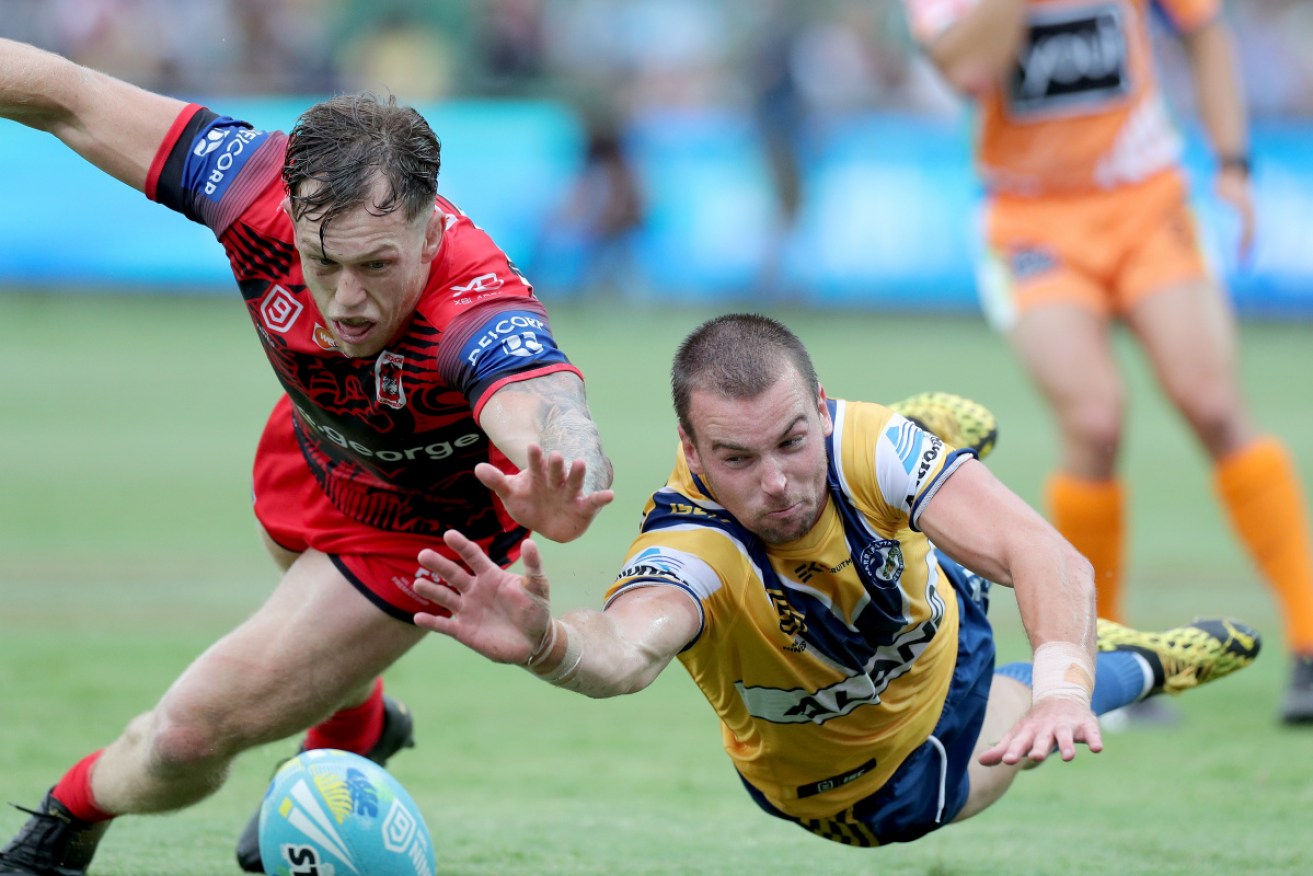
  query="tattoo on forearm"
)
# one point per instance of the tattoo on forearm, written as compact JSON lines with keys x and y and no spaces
{"x":568,"y":428}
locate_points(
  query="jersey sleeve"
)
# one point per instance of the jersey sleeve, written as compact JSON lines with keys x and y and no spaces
{"x":667,"y":560}
{"x":211,"y":168}
{"x":498,"y":342}
{"x":893,"y":466}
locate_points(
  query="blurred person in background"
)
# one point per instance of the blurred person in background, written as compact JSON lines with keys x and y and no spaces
{"x":423,"y":390}
{"x":1088,"y":224}
{"x":590,"y":244}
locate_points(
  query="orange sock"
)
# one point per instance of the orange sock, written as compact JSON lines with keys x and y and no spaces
{"x":1260,"y":490}
{"x":1091,"y":515}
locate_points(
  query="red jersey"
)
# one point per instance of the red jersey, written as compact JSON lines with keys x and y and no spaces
{"x":392,"y":439}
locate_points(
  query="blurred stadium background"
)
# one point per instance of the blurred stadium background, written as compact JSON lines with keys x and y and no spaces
{"x":671,"y":150}
{"x":648,"y":163}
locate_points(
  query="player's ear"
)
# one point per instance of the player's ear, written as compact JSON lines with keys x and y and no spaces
{"x":286,"y":206}
{"x":690,"y":451}
{"x":433,"y":234}
{"x":827,"y":423}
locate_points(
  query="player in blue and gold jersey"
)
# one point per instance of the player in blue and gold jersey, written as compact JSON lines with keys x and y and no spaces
{"x":807,"y":563}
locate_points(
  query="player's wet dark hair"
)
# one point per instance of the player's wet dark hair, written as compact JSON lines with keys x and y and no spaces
{"x":738,"y":356}
{"x":345,"y":143}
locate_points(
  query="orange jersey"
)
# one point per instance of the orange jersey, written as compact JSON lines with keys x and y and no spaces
{"x":1081,"y":109}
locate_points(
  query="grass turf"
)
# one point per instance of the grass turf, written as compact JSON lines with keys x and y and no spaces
{"x":128,"y":428}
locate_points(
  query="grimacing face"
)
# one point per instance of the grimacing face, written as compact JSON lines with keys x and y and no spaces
{"x":764,"y":457}
{"x":368,"y":276}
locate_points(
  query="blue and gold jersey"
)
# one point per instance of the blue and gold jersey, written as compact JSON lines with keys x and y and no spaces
{"x":828,"y":659}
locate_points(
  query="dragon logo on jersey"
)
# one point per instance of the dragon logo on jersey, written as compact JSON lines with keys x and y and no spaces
{"x":387,"y":379}
{"x":881,"y":562}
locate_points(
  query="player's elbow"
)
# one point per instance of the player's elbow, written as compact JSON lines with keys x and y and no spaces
{"x":970,"y":78}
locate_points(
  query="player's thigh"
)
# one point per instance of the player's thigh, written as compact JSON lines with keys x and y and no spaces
{"x":1008,"y":701}
{"x":311,"y":647}
{"x":283,"y":556}
{"x":1068,"y":352}
{"x":1188,"y":333}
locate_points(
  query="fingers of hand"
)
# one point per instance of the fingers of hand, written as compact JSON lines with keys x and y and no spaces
{"x":469,"y":551}
{"x":491,"y":477}
{"x":556,"y":470}
{"x":436,"y":622}
{"x":533,"y":558}
{"x":439,"y":592}
{"x":446,"y":572}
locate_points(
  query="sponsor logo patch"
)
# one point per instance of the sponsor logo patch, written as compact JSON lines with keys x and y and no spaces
{"x":1076,"y":60}
{"x":324,"y":338}
{"x":481,"y":283}
{"x":279,"y":310}
{"x":515,"y":333}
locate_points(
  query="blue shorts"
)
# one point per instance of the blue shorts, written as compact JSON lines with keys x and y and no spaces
{"x":931,"y":786}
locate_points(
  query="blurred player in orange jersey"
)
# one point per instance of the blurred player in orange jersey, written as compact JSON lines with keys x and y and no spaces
{"x":1088,"y":223}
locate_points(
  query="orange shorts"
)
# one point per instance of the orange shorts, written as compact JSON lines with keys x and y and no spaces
{"x":1104,"y":251}
{"x":298,"y":516}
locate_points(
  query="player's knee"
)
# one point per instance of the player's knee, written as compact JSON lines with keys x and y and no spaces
{"x":180,"y":741}
{"x":1217,"y":419}
{"x":1096,"y":423}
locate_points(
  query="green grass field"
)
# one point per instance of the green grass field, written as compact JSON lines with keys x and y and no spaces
{"x":128,"y":545}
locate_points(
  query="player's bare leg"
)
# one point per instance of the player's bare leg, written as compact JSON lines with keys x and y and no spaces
{"x":1189,"y":334}
{"x":1008,"y":701}
{"x":1067,"y":351}
{"x":314,"y":645}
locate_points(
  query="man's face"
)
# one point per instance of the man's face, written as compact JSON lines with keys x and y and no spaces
{"x":369,"y":273}
{"x":764,"y":458}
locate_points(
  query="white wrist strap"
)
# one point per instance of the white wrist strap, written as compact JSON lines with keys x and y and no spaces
{"x":1062,"y":669}
{"x":545,"y":644}
{"x":570,"y":660}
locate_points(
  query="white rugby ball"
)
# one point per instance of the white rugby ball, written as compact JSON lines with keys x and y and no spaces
{"x":333,"y":813}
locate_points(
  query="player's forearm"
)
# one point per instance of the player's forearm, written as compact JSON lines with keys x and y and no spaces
{"x":112,"y":124}
{"x":37,"y":88}
{"x":1054,"y":585}
{"x":982,"y":45}
{"x":588,"y":653}
{"x":552,"y":412}
{"x":569,"y":430}
{"x":1218,"y":89}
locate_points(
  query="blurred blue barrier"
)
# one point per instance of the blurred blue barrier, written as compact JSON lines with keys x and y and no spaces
{"x":888,"y":216}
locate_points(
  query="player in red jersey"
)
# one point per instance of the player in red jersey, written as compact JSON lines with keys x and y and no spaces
{"x":423,"y":391}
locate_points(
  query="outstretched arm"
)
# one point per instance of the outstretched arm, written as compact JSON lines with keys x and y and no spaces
{"x":507,"y":618}
{"x":543,"y":425}
{"x":986,"y":527}
{"x":115,"y":126}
